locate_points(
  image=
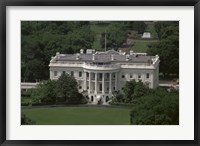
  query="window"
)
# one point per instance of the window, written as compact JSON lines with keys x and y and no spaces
{"x":100,"y":75}
{"x":87,"y":87}
{"x":107,"y":75}
{"x":80,"y":74}
{"x":131,"y":76}
{"x":139,"y":76}
{"x":123,"y":76}
{"x":63,"y":72}
{"x":147,"y":75}
{"x":100,"y":87}
{"x":55,"y":73}
{"x":87,"y":74}
{"x":72,"y":73}
{"x":80,"y":87}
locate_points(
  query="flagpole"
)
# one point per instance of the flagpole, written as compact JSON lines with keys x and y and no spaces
{"x":105,"y":40}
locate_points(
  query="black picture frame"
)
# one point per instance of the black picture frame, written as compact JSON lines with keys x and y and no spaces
{"x":5,"y":3}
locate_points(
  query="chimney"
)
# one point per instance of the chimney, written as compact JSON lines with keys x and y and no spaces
{"x":77,"y":56}
{"x":93,"y":56}
{"x":120,"y":52}
{"x":81,"y":51}
{"x":112,"y":57}
{"x":127,"y":57}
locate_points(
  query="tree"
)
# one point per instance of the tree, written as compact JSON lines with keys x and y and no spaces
{"x":158,"y":108}
{"x":134,"y":90}
{"x":40,"y":40}
{"x":34,"y":70}
{"x":81,"y":38}
{"x":129,"y":89}
{"x":139,"y":26}
{"x":118,"y":97}
{"x":68,"y":88}
{"x":44,"y":93}
{"x":116,"y":35}
{"x":140,"y":90}
{"x":167,"y":48}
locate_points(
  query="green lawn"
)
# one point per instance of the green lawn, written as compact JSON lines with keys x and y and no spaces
{"x":140,"y":47}
{"x":78,"y":116}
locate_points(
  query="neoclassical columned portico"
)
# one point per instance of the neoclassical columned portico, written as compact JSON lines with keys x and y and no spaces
{"x":96,"y":81}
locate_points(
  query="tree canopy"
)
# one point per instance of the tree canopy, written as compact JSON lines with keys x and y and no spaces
{"x":158,"y":108}
{"x":42,"y":39}
{"x":63,"y":90}
{"x":168,"y":47}
{"x":116,"y":35}
{"x":134,"y":90}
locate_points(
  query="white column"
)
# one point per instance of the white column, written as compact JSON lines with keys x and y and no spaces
{"x":95,"y":83}
{"x":103,"y":86}
{"x":110,"y":83}
{"x":89,"y":82}
{"x":116,"y":81}
{"x":85,"y":81}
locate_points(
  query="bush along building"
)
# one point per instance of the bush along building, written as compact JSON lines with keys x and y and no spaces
{"x":100,"y":74}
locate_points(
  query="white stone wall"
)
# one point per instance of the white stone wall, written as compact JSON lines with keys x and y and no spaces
{"x":134,"y":73}
{"x":153,"y":76}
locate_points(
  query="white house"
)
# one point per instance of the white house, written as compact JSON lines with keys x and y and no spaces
{"x":102,"y":73}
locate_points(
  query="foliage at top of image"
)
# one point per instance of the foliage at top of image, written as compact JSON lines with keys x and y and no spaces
{"x":40,"y":40}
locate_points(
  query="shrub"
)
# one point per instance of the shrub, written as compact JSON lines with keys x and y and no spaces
{"x":26,"y":120}
{"x":26,"y":101}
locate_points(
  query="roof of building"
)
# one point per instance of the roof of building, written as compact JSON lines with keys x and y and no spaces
{"x":108,"y":56}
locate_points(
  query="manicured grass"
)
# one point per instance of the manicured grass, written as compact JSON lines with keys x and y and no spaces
{"x":140,"y":47}
{"x":78,"y":116}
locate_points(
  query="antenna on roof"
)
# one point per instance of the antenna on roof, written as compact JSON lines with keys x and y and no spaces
{"x":105,"y":40}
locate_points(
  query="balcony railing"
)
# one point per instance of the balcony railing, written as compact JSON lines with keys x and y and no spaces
{"x":101,"y":67}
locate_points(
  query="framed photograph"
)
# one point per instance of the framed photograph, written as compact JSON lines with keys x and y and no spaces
{"x":99,"y":72}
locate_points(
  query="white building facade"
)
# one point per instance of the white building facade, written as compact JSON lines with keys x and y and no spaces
{"x":102,"y":73}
